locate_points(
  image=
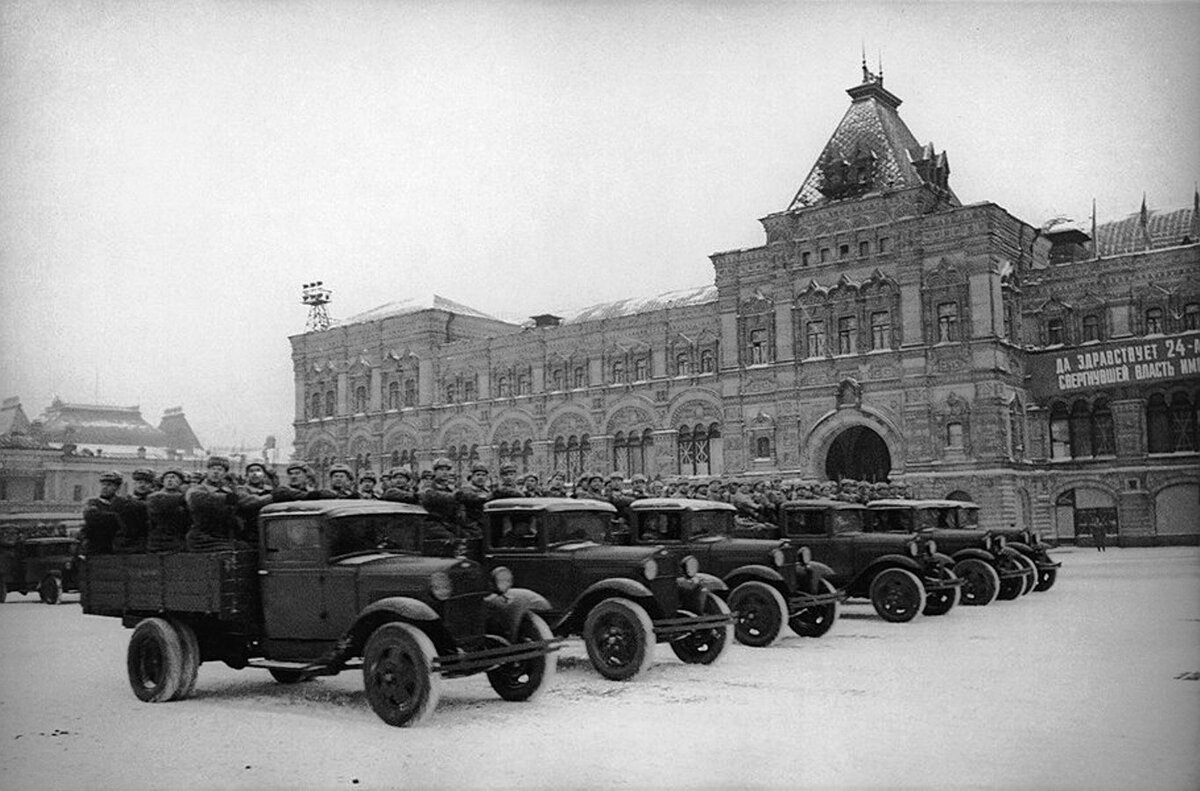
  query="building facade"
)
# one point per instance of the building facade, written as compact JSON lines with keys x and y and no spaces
{"x":883,"y":330}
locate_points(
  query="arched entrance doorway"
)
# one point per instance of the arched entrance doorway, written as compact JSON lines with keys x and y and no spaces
{"x":858,"y":453}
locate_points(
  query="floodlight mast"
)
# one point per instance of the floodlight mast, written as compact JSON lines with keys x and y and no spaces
{"x":316,"y":296}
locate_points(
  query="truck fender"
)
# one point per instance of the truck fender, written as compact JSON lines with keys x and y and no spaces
{"x":618,"y":586}
{"x":1021,"y":547}
{"x":942,"y":557}
{"x":408,"y":609}
{"x":704,"y":581}
{"x":825,"y":571}
{"x":895,"y":561}
{"x":973,"y":552}
{"x":377,"y":613}
{"x":754,"y":572}
{"x":1009,"y":552}
{"x":505,"y":611}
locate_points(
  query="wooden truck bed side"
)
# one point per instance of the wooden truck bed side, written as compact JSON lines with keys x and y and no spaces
{"x":221,"y":584}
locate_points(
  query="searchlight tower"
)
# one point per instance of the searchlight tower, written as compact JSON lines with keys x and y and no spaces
{"x":316,"y":296}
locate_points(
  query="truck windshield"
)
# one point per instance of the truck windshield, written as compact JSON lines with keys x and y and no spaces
{"x":578,"y":526}
{"x":891,"y":520}
{"x":711,"y":523}
{"x":387,"y":532}
{"x":847,"y":520}
{"x":968,"y":518}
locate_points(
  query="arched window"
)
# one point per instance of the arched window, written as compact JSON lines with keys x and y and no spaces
{"x":580,"y":377}
{"x":954,"y":435}
{"x":502,"y":390}
{"x":410,"y":392}
{"x":316,"y":406}
{"x":570,"y":454}
{"x":1091,"y":328}
{"x":329,"y":403}
{"x":1055,"y":333}
{"x":1060,"y":431}
{"x":451,"y":393}
{"x":947,"y":322}
{"x":618,"y":372}
{"x":395,"y":458}
{"x":758,"y":347}
{"x":641,"y":369}
{"x":762,"y":448}
{"x":1158,"y":425}
{"x":694,"y":445}
{"x":847,"y":334}
{"x":1171,"y":425}
{"x":1103,"y":434}
{"x":360,"y":399}
{"x":630,"y":452}
{"x":523,"y":385}
{"x":556,"y":379}
{"x":469,"y":390}
{"x":707,"y":361}
{"x":815,"y":338}
{"x":1154,"y":320}
{"x":683,"y":364}
{"x":394,"y":395}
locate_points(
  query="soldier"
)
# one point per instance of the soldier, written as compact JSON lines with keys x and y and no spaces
{"x":532,"y":485}
{"x":131,"y":536}
{"x":638,"y":486}
{"x":100,"y":520}
{"x":591,"y":487}
{"x":168,"y":513}
{"x":472,"y":496}
{"x":508,"y":483}
{"x":252,"y":496}
{"x":366,"y":486}
{"x":212,"y":505}
{"x":341,"y":483}
{"x":401,"y":490}
{"x":440,"y":499}
{"x":296,"y":487}
{"x":385,"y":480}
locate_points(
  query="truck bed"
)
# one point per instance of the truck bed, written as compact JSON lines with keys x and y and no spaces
{"x":220,"y":584}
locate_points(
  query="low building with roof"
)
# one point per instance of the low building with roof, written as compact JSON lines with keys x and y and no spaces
{"x":882,"y":330}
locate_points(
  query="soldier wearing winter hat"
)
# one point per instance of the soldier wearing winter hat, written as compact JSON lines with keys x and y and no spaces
{"x":341,"y":483}
{"x":440,"y":498}
{"x":295,"y":487}
{"x":135,"y":521}
{"x":100,"y":520}
{"x":168,"y":514}
{"x":400,"y":489}
{"x":507,"y":487}
{"x":366,"y":486}
{"x":212,"y":504}
{"x":255,"y":493}
{"x":473,"y":494}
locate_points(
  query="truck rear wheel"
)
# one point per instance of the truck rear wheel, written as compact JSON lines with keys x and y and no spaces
{"x":191,"y":658}
{"x":398,"y":674}
{"x":897,"y":595}
{"x":525,"y":680}
{"x":816,"y":621}
{"x":619,"y":638}
{"x":761,"y":613}
{"x":154,"y":660}
{"x":50,"y":589}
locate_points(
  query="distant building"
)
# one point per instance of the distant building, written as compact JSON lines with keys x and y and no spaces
{"x":54,"y":463}
{"x":882,"y":330}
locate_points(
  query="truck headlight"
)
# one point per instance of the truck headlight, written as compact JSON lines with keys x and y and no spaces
{"x":931,"y":545}
{"x":805,"y":555}
{"x":1033,"y":539}
{"x":691,"y":566}
{"x":650,"y":569}
{"x":502,"y":579}
{"x":1001,"y":542}
{"x":440,"y":586}
{"x":777,"y":557}
{"x":913,"y":549}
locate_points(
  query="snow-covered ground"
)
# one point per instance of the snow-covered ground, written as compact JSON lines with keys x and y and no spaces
{"x":1084,"y":686}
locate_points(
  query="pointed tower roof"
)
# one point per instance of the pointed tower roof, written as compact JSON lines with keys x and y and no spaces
{"x":872,"y":150}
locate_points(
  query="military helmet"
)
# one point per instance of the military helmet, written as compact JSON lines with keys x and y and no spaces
{"x":368,"y":476}
{"x":400,"y":472}
{"x":478,"y":468}
{"x":143,"y":474}
{"x":298,"y":465}
{"x":342,"y":468}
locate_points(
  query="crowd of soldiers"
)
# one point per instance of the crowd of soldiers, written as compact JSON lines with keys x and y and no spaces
{"x":215,"y":510}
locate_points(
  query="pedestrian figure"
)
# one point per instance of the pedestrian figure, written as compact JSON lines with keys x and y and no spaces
{"x":1098,"y":535}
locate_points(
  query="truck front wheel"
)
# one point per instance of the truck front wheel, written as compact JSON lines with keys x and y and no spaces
{"x":154,"y":660}
{"x":897,"y":595}
{"x":761,"y":613}
{"x":705,"y":646}
{"x":524,"y":680}
{"x":816,"y":621}
{"x":50,"y":589}
{"x":398,"y":674}
{"x":619,"y":638}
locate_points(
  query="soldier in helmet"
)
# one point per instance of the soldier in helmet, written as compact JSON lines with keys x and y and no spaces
{"x":532,"y":485}
{"x":507,"y":487}
{"x":440,"y":499}
{"x":168,"y":514}
{"x":135,"y":522}
{"x":341,"y":483}
{"x":296,"y":485}
{"x":473,"y":494}
{"x":100,"y":520}
{"x":213,"y":508}
{"x":400,"y":490}
{"x":366,"y":486}
{"x":591,"y":487}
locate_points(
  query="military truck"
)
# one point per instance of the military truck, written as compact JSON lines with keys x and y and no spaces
{"x":1027,"y":542}
{"x":621,"y":599}
{"x":770,"y":583}
{"x":47,"y":565}
{"x":989,"y":568}
{"x":333,"y":585}
{"x":903,"y":575}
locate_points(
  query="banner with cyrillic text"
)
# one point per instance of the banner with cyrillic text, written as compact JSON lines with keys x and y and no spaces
{"x":1146,"y":360}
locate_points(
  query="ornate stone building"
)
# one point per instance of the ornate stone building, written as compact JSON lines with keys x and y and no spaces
{"x":883,"y":330}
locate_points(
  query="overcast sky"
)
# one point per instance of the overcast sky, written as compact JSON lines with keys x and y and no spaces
{"x":172,"y":172}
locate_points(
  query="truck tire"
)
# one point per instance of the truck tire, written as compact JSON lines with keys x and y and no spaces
{"x":940,"y":602}
{"x":816,"y":621}
{"x":527,"y":679}
{"x":398,"y":674}
{"x":761,"y":613}
{"x":1031,"y":578}
{"x":50,"y":589}
{"x":705,"y":646}
{"x":619,"y":638}
{"x":191,"y":658}
{"x":154,"y":660}
{"x":1010,"y":587}
{"x":981,"y":583}
{"x":897,"y":595}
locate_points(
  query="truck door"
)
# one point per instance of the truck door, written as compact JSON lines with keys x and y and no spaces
{"x":291,"y":577}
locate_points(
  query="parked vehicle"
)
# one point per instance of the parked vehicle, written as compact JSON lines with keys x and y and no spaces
{"x":621,"y":599}
{"x":902,"y":574}
{"x":1027,"y":542}
{"x":335,"y":585}
{"x":989,"y":568}
{"x":47,"y":565}
{"x":768,"y":583}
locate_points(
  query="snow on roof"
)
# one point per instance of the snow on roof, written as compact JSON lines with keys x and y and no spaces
{"x":404,"y":307}
{"x":628,"y":307}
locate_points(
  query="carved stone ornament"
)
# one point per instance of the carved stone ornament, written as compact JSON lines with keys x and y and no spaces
{"x":849,"y":393}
